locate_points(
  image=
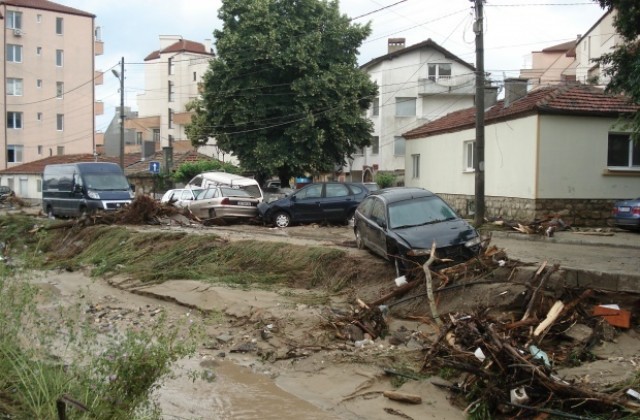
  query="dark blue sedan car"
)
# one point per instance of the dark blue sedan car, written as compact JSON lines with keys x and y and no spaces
{"x":318,"y":202}
{"x":401,"y":224}
{"x":626,"y":214}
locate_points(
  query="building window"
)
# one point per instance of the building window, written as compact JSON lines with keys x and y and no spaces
{"x":14,"y":53}
{"x":59,"y":58}
{"x":398,"y":146}
{"x":38,"y":18}
{"x":14,"y":19}
{"x":171,"y":66}
{"x":60,"y":150}
{"x":14,"y":153}
{"x":195,"y":76}
{"x":156,"y":135}
{"x":59,"y":26}
{"x":415,"y":170}
{"x":405,"y":107}
{"x":38,"y":50}
{"x":14,"y":86}
{"x":439,"y":71}
{"x":170,"y":90}
{"x":14,"y":120}
{"x":170,"y":118}
{"x":139,"y":137}
{"x":39,"y":149}
{"x":376,"y":106}
{"x":622,"y":152}
{"x":375,"y":145}
{"x":59,"y":90}
{"x":469,"y":154}
{"x":38,"y":185}
{"x":39,"y":83}
{"x":60,"y":123}
{"x":39,"y":116}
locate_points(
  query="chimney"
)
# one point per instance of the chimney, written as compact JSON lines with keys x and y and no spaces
{"x":395,"y":44}
{"x":514,"y":89}
{"x":490,"y":96}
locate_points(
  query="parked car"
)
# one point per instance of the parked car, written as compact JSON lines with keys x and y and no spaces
{"x":371,"y":186}
{"x":626,"y":214}
{"x":400,"y":224}
{"x":317,"y":202}
{"x":224,"y":202}
{"x":5,"y":192}
{"x":215,"y":178}
{"x":180,"y":197}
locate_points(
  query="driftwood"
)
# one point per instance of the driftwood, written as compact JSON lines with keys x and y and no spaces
{"x":429,"y":285}
{"x":403,"y":397}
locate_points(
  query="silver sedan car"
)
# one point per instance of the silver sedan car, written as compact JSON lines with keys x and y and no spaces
{"x":224,"y":202}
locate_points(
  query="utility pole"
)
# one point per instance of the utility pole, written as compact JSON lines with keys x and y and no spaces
{"x":122,"y":114}
{"x":478,"y":157}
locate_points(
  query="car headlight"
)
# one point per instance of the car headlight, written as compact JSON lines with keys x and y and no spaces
{"x":419,"y":252}
{"x":473,"y":242}
{"x":93,"y":194}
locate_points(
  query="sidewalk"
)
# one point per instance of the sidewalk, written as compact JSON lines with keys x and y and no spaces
{"x":616,"y":239}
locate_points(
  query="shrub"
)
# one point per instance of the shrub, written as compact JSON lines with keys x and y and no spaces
{"x":385,"y":179}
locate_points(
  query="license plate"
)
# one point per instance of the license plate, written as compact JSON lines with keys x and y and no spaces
{"x":624,"y":209}
{"x":244,"y":203}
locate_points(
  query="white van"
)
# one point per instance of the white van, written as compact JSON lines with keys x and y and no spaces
{"x":213,"y":178}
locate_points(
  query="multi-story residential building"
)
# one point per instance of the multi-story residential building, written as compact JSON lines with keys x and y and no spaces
{"x":173,"y":76}
{"x":552,"y":65}
{"x":48,"y":81}
{"x":417,"y":84}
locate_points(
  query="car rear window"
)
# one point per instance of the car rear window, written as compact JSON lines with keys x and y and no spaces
{"x":234,"y":192}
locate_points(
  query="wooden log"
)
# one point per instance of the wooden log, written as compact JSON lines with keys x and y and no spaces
{"x":536,"y":293}
{"x":551,"y":317}
{"x":402,"y":397}
{"x":399,"y":291}
{"x":429,"y":284}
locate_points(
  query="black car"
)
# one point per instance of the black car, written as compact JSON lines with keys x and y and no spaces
{"x":318,"y":202}
{"x":401,"y":224}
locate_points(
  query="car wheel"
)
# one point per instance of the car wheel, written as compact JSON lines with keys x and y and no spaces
{"x":359,"y":242}
{"x":212,"y":213}
{"x":282,"y":219}
{"x":50,"y":214}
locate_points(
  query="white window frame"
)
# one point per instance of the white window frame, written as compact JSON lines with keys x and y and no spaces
{"x":60,"y":150}
{"x":399,"y":146}
{"x":15,"y":120}
{"x":59,"y":26}
{"x":405,"y":107}
{"x":415,"y":169}
{"x":59,"y":122}
{"x":40,"y":148}
{"x":435,"y":70}
{"x":59,"y":58}
{"x":375,"y":145}
{"x":38,"y":18}
{"x":15,"y":86}
{"x":14,"y":19}
{"x":59,"y":90}
{"x":18,"y":151}
{"x":631,"y":149}
{"x":469,"y":150}
{"x":375,"y":106}
{"x":14,"y":53}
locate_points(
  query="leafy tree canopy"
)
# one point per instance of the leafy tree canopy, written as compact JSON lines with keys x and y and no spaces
{"x":286,"y":95}
{"x":623,"y":63}
{"x":188,"y":170}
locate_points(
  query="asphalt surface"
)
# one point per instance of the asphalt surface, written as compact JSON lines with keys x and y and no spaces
{"x":618,"y":253}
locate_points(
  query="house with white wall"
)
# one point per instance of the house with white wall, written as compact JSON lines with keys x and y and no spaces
{"x":554,"y":151}
{"x":417,"y":84}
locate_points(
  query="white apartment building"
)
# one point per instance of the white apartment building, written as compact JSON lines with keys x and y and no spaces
{"x":173,"y":77}
{"x":417,"y":84}
{"x":48,"y":90}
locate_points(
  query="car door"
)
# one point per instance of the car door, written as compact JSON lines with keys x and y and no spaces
{"x":374,"y":228}
{"x":337,"y":201}
{"x":305,"y":206}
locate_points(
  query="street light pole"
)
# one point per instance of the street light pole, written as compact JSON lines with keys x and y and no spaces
{"x":122,"y":113}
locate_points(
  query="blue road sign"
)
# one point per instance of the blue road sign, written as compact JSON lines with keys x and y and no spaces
{"x":154,"y":167}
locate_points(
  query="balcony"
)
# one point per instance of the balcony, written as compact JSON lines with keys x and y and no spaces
{"x":98,"y":78}
{"x":452,"y":85}
{"x":99,"y":47}
{"x":98,"y":108}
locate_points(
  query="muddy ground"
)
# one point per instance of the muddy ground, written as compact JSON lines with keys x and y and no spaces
{"x":272,"y":354}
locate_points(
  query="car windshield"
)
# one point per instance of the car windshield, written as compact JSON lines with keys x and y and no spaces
{"x":106,"y":182}
{"x":419,"y":211}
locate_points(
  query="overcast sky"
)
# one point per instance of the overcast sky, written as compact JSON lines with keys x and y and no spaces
{"x":513,"y":29}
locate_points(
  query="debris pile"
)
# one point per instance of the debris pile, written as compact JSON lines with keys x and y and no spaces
{"x":546,"y":227}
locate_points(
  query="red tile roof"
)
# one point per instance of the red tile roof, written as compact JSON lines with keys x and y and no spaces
{"x":184,"y":45}
{"x":37,"y":167}
{"x":142,"y":167}
{"x":47,"y":5}
{"x":562,"y":100}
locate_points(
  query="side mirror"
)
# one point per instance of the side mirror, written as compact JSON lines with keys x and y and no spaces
{"x":133,"y":187}
{"x":77,"y":188}
{"x":293,"y":198}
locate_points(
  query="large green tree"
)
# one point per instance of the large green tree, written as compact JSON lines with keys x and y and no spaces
{"x":623,"y":63}
{"x":285,"y":94}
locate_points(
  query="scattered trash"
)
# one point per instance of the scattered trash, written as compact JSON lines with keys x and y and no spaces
{"x":519,"y":396}
{"x":613,"y":315}
{"x":400,"y":281}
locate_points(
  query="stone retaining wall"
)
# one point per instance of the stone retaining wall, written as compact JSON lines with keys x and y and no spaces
{"x":575,"y":212}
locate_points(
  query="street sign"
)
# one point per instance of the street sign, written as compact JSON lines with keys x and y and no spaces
{"x":154,"y":167}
